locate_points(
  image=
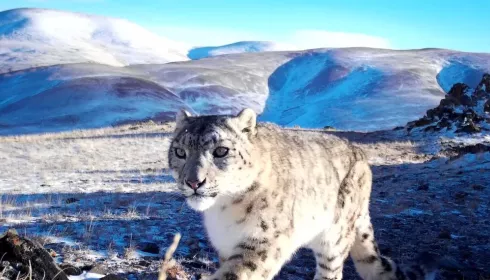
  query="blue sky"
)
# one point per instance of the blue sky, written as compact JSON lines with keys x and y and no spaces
{"x":453,"y":24}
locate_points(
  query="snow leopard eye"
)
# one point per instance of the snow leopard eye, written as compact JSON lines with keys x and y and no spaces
{"x":220,"y":152}
{"x":180,"y":153}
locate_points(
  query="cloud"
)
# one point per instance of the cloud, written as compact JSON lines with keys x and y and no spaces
{"x":292,"y":40}
{"x":308,"y":39}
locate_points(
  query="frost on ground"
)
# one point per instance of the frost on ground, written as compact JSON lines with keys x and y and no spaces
{"x":103,"y":201}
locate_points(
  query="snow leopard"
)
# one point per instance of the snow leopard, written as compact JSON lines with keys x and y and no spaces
{"x":265,"y":191}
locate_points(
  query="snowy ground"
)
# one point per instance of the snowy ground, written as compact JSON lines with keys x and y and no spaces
{"x":103,"y":200}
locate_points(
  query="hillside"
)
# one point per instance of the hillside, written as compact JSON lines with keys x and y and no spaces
{"x":350,"y":89}
{"x":62,"y":70}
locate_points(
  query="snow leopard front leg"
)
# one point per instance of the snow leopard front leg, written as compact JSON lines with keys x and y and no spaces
{"x":256,"y":258}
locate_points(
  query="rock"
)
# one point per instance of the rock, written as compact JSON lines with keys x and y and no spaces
{"x":450,"y":263}
{"x":484,"y":85}
{"x":7,"y":271}
{"x":423,"y":122}
{"x":134,"y":128}
{"x":99,"y":269}
{"x":459,"y":110}
{"x":71,"y":200}
{"x":431,"y":128}
{"x":28,"y":255}
{"x":112,"y":277}
{"x":444,"y":123}
{"x":457,"y":91}
{"x":467,"y":101}
{"x":472,"y":149}
{"x":465,"y":251}
{"x":486,"y":107}
{"x":70,"y":269}
{"x":202,"y":276}
{"x":196,"y":264}
{"x":445,"y":234}
{"x":470,"y":128}
{"x":461,"y":195}
{"x":149,"y":247}
{"x":477,"y":187}
{"x":423,"y":187}
{"x":328,"y":127}
{"x":447,"y":103}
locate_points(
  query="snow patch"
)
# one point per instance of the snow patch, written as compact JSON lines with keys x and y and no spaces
{"x":238,"y":47}
{"x":86,"y":276}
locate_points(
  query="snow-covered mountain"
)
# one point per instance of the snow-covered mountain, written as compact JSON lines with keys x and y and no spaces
{"x":351,"y":89}
{"x":238,"y":47}
{"x":61,"y":70}
{"x":366,"y":89}
{"x":42,"y":37}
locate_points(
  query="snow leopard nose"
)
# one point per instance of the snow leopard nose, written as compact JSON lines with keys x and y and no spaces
{"x":193,"y":184}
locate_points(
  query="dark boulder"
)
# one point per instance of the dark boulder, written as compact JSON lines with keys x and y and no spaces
{"x":484,"y":86}
{"x":423,"y":121}
{"x":459,"y":111}
{"x":149,"y":247}
{"x":471,"y":127}
{"x":467,"y":101}
{"x":112,"y":277}
{"x":27,"y":259}
{"x":457,"y":92}
{"x":70,"y":269}
{"x":472,"y":149}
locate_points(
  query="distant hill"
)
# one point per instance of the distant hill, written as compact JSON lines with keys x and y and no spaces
{"x":238,"y":47}
{"x":42,"y":37}
{"x":351,"y":89}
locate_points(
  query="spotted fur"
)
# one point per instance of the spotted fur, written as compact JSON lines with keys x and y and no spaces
{"x":277,"y":190}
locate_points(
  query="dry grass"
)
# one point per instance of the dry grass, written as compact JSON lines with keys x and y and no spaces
{"x":130,"y":129}
{"x":169,"y":263}
{"x":116,"y":159}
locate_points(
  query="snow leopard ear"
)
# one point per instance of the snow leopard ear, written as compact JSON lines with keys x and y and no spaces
{"x":181,"y":118}
{"x":247,"y":121}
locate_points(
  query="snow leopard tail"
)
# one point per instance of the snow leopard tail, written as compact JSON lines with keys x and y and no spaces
{"x":371,"y":265}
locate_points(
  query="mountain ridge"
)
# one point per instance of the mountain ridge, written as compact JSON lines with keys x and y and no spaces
{"x":31,"y":37}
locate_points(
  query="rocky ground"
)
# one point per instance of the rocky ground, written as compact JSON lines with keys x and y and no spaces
{"x":104,"y":202}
